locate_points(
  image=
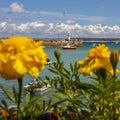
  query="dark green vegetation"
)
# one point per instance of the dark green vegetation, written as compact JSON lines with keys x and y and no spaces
{"x":72,"y":99}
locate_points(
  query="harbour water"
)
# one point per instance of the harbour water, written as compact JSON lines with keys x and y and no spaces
{"x":67,"y":56}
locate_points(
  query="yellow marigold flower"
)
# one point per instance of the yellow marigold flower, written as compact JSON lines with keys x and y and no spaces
{"x":21,"y":55}
{"x":97,"y":58}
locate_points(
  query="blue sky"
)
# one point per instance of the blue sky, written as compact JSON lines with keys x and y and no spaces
{"x":55,"y":18}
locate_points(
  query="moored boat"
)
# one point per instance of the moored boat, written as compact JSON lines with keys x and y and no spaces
{"x":36,"y":86}
{"x":69,"y":47}
{"x":49,"y":62}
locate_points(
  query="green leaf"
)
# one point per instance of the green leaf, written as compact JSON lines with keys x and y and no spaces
{"x":8,"y":94}
{"x":71,"y":67}
{"x":53,"y":71}
{"x":27,"y":98}
{"x":49,"y":103}
{"x":66,"y":71}
{"x":59,"y":102}
{"x":58,"y":96}
{"x":4,"y":103}
{"x":44,"y":104}
{"x":15,"y":94}
{"x":66,"y":75}
{"x":34,"y":100}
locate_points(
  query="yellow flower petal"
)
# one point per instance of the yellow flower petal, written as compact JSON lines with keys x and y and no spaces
{"x":19,"y":67}
{"x":8,"y":72}
{"x":34,"y":71}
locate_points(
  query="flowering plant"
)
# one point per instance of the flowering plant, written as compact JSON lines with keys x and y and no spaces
{"x":73,"y":99}
{"x":19,"y":56}
{"x":104,"y":99}
{"x":97,"y":99}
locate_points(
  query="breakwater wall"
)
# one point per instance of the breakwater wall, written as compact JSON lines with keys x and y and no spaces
{"x":61,"y":43}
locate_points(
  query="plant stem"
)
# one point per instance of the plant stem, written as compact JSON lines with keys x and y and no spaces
{"x":114,"y":77}
{"x":19,"y":94}
{"x":114,"y":98}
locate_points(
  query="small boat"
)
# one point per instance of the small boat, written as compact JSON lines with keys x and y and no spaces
{"x":94,"y":44}
{"x":36,"y":85}
{"x":69,"y":47}
{"x":49,"y":62}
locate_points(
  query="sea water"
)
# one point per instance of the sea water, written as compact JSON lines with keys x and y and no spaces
{"x":67,"y":56}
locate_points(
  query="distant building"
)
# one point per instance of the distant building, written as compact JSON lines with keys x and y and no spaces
{"x":68,"y":36}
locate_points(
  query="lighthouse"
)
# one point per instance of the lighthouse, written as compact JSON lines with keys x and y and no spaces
{"x":68,"y":36}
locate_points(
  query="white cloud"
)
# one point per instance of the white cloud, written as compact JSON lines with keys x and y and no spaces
{"x":41,"y":29}
{"x":7,"y":28}
{"x":54,"y":23}
{"x":16,"y":8}
{"x":70,"y":22}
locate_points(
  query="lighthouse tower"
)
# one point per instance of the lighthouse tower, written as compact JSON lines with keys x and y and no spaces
{"x":68,"y":36}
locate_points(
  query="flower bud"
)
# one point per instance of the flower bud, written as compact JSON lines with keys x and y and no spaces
{"x":114,"y":58}
{"x":57,"y":54}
